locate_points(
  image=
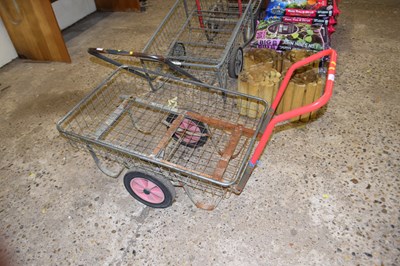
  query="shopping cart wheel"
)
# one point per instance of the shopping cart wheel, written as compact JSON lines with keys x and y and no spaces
{"x":213,"y":24}
{"x":151,"y":190}
{"x":211,"y":30}
{"x":178,"y":50}
{"x":235,"y":64}
{"x":191,"y":133}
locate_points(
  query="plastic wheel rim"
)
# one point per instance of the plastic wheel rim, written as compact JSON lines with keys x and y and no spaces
{"x":238,"y":62}
{"x":189,"y":126}
{"x":147,"y":190}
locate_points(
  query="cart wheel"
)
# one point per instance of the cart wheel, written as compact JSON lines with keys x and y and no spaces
{"x":189,"y":126}
{"x":212,"y":26}
{"x":235,"y":64}
{"x":211,"y":30}
{"x":249,"y":32}
{"x":178,"y":50}
{"x":155,"y":192}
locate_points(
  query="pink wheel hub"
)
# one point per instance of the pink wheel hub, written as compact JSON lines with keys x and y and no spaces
{"x":147,"y":190}
{"x":188,"y":125}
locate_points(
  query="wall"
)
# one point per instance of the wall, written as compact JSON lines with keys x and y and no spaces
{"x":67,"y":12}
{"x":7,"y":51}
{"x":70,"y":11}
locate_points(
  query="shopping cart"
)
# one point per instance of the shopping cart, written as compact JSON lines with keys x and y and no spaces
{"x":173,"y":132}
{"x":205,"y":38}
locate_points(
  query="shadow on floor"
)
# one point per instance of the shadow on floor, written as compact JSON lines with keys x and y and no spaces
{"x":82,"y":25}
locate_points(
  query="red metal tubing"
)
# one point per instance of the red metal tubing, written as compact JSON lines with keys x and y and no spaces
{"x":301,"y":110}
{"x":200,"y":14}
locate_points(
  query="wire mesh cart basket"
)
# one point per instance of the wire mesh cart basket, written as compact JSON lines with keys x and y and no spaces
{"x":205,"y":38}
{"x":171,"y":132}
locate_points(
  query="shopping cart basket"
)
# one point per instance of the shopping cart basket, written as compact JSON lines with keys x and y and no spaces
{"x":207,"y":37}
{"x":173,"y":132}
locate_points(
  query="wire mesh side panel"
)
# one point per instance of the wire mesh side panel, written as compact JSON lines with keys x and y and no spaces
{"x":202,"y":37}
{"x":256,"y":4}
{"x":186,"y":30}
{"x":90,"y":117}
{"x":239,"y":41}
{"x":191,"y":130}
{"x":161,"y":41}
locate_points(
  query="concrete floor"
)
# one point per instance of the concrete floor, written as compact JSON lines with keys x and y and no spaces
{"x":325,"y":193}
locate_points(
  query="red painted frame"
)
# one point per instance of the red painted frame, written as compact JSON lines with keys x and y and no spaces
{"x":330,"y":77}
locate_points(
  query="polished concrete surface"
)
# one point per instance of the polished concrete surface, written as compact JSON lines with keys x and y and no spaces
{"x":324,"y":193}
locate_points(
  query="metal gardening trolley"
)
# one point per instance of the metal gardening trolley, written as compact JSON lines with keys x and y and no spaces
{"x":206,"y":37}
{"x":173,"y":132}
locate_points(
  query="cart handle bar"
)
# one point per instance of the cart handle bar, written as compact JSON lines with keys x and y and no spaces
{"x":301,"y":110}
{"x":173,"y":65}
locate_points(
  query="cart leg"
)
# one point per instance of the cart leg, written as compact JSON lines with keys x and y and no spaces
{"x":245,"y":177}
{"x":222,"y":81}
{"x":200,"y":204}
{"x":105,"y":170}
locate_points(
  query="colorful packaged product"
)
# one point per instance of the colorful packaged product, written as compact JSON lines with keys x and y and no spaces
{"x":312,"y":21}
{"x":328,"y":21}
{"x":283,"y":36}
{"x":302,"y":8}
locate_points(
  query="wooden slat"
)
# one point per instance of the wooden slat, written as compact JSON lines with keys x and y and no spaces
{"x":318,"y":92}
{"x":228,"y":153}
{"x":309,"y":98}
{"x":221,"y":124}
{"x":117,"y":5}
{"x":287,"y":98}
{"x":33,"y":29}
{"x":298,"y":96}
{"x":167,"y":136}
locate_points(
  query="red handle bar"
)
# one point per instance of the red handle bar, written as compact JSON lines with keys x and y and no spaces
{"x":298,"y":111}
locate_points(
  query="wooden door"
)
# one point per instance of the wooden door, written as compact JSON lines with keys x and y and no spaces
{"x":34,"y":30}
{"x":118,"y":5}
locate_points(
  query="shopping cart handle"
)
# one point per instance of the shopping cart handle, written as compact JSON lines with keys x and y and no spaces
{"x":99,"y":52}
{"x":330,"y":77}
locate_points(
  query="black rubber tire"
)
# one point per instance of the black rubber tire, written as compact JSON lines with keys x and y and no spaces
{"x":212,"y":27}
{"x":178,"y":50}
{"x":165,"y":185}
{"x":235,"y":64}
{"x":210,"y":30}
{"x":203,"y":130}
